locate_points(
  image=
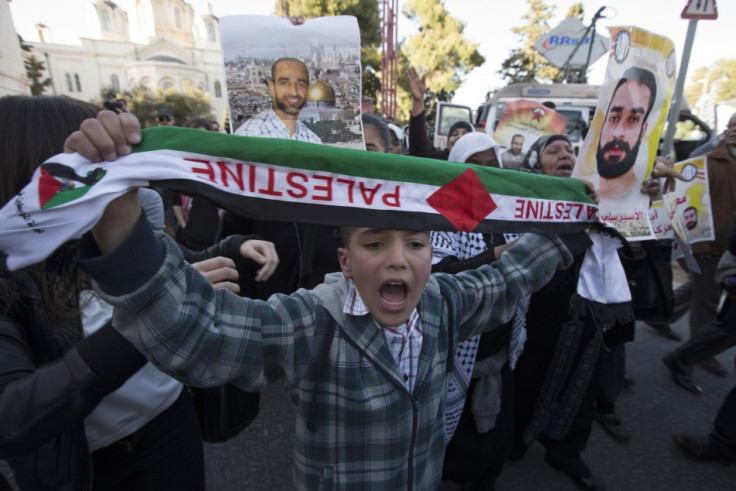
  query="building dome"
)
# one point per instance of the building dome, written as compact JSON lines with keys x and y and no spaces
{"x":320,"y":91}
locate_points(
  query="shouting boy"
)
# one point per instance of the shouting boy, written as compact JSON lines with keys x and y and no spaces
{"x":366,"y":353}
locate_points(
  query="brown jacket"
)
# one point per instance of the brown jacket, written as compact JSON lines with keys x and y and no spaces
{"x":722,"y":183}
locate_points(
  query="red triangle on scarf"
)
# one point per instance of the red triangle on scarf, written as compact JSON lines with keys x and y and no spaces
{"x":48,"y":186}
{"x":464,"y":201}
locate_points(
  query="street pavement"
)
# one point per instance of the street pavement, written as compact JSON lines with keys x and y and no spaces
{"x":654,"y":408}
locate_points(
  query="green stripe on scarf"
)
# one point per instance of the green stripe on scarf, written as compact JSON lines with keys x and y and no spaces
{"x":371,"y":165}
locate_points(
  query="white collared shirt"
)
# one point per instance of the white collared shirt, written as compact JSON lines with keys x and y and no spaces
{"x":404,"y":341}
{"x":267,"y":124}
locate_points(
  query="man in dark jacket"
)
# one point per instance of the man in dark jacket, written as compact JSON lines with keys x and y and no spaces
{"x":705,"y":291}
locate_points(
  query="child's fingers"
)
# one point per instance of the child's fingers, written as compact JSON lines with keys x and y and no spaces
{"x":131,"y":127}
{"x":217,"y":270}
{"x":112,"y":125}
{"x":96,"y":132}
{"x":262,"y":252}
{"x":80,"y":143}
{"x":266,"y":270}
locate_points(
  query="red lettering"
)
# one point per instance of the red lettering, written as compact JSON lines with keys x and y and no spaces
{"x":532,"y":209}
{"x":301,"y":191}
{"x":566,"y":215}
{"x":519,"y":210}
{"x":559,"y":210}
{"x":270,"y":189}
{"x":579,"y":210}
{"x":208,"y":171}
{"x":392,"y":199}
{"x":237,"y":175}
{"x":327,"y":188}
{"x":252,"y":177}
{"x":591,"y":211}
{"x":548,"y":214}
{"x":371,"y":193}
{"x":351,"y":184}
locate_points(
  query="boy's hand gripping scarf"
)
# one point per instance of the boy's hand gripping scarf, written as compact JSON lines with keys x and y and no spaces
{"x":270,"y":179}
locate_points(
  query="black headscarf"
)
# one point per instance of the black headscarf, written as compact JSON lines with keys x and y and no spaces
{"x":531,"y":160}
{"x":460,"y":124}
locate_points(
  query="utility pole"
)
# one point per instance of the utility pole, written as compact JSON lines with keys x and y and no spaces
{"x":389,"y":57}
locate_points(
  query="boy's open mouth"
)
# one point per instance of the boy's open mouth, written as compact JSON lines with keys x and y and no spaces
{"x":393,"y":293}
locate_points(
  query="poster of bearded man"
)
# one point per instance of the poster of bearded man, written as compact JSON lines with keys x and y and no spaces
{"x":619,"y":150}
{"x":692,"y":201}
{"x":295,"y":81}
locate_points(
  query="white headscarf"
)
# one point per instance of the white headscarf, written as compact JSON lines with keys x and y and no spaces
{"x":397,"y":131}
{"x":472,"y":143}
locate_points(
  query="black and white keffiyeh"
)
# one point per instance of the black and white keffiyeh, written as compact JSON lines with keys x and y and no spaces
{"x":464,"y":245}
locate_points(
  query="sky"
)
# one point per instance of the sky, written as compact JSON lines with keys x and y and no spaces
{"x":487,"y":22}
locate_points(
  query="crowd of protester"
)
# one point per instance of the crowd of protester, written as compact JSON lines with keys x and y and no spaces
{"x":82,"y":408}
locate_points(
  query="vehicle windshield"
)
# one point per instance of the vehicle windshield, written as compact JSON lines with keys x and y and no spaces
{"x":575,"y":124}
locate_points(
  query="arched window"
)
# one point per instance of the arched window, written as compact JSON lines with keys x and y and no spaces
{"x":77,"y":82}
{"x":218,"y":89}
{"x":211,"y":32}
{"x":115,"y":82}
{"x":69,"y":86}
{"x":177,"y":17}
{"x":166,"y":84}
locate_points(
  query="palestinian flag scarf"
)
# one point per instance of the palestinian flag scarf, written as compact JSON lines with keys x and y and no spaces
{"x":293,"y":181}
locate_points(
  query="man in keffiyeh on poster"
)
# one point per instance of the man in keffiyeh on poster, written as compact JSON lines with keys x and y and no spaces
{"x":619,"y":151}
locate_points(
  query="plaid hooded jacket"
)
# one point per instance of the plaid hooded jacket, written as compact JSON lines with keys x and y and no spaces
{"x":357,"y":426}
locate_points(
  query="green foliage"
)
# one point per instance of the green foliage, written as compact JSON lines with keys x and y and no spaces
{"x":145,"y":103}
{"x":438,"y":51}
{"x":369,"y":22}
{"x":686,"y":130}
{"x":34,"y":69}
{"x":575,"y":10}
{"x":524,"y":64}
{"x":366,"y":11}
{"x":717,"y":80}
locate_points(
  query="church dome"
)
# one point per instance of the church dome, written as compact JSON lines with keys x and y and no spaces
{"x":320,"y":91}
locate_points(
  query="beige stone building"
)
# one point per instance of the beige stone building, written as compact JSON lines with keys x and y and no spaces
{"x":154,"y":43}
{"x":12,"y":71}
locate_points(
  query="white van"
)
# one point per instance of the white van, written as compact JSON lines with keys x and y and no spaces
{"x":577,"y":102}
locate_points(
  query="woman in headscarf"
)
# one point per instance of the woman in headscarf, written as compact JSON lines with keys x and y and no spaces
{"x":476,"y":148}
{"x":479,"y":406}
{"x":554,"y":379}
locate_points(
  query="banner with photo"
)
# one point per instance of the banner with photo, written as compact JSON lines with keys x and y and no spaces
{"x":680,"y":247}
{"x":619,"y":150}
{"x":529,"y":120}
{"x":327,"y":47}
{"x":660,"y":219}
{"x":690,"y":202}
